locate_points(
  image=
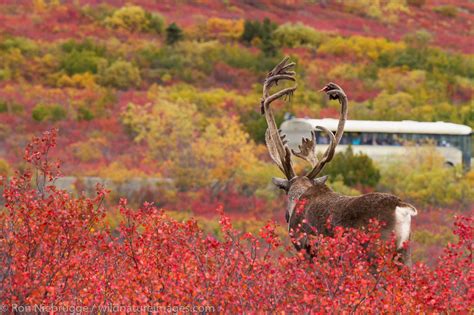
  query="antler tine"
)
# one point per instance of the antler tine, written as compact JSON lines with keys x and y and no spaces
{"x":278,"y":73}
{"x":334,"y":91}
{"x":308,"y":149}
{"x":327,"y":156}
{"x":276,"y":144}
{"x":282,"y":67}
{"x":270,"y":81}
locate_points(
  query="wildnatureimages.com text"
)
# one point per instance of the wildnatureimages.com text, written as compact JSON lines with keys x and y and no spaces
{"x":108,"y":308}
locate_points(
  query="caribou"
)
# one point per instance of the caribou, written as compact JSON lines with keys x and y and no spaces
{"x":321,"y":203}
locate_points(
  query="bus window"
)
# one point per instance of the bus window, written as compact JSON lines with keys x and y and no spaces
{"x":322,"y":139}
{"x":367,"y":138}
{"x":381,"y":139}
{"x":397,"y":139}
{"x":346,"y":138}
{"x":456,"y":141}
{"x":444,"y":141}
{"x":356,"y":139}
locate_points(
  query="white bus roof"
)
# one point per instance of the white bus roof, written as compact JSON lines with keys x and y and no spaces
{"x":405,"y":126}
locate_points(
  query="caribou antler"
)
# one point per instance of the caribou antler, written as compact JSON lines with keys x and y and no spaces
{"x":276,"y":143}
{"x":335,"y":92}
{"x":277,"y":148}
{"x":308,"y":149}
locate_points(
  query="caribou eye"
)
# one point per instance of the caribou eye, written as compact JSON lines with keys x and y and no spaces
{"x":281,"y":183}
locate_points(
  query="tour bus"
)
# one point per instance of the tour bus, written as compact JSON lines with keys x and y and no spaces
{"x":384,"y":140}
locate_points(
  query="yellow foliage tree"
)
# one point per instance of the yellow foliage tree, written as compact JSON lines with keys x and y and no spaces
{"x":395,"y":106}
{"x":195,"y":150}
{"x":294,"y":35}
{"x":119,"y":173}
{"x":223,"y":152}
{"x":399,"y":79}
{"x":378,"y":9}
{"x":359,"y":46}
{"x":90,"y":150}
{"x":130,"y":17}
{"x":424,"y":179}
{"x":210,"y":102}
{"x":167,"y":127}
{"x":79,"y":80}
{"x":218,"y":28}
{"x":12,"y":64}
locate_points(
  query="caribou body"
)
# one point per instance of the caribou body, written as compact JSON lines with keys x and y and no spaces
{"x":320,"y":203}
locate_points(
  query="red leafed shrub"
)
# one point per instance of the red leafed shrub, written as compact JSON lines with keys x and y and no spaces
{"x":56,"y":249}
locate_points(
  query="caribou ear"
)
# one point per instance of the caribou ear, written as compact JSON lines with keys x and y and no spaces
{"x":320,"y":180}
{"x":281,"y":183}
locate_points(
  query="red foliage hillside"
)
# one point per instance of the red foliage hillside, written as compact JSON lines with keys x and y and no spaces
{"x":452,"y":33}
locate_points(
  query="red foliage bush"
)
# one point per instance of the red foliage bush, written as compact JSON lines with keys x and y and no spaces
{"x":55,"y":249}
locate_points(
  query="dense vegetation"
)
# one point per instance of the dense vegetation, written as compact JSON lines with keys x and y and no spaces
{"x":58,"y":252}
{"x":161,"y":100}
